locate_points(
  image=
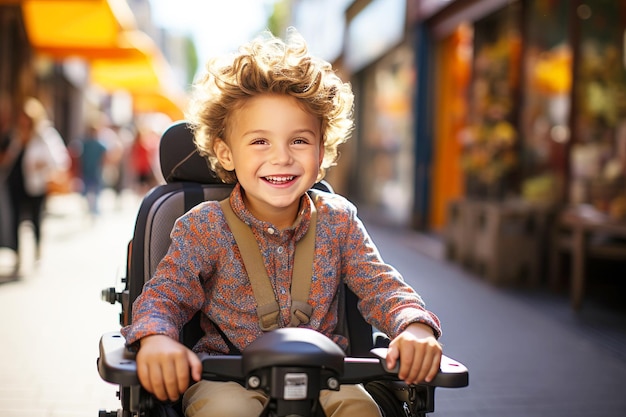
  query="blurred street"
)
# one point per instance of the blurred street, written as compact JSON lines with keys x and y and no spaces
{"x":53,"y":316}
{"x":527,"y":352}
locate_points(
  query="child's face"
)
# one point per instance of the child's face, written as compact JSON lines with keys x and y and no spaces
{"x":275,"y":148}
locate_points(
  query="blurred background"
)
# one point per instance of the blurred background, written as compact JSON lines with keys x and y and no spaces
{"x":492,"y":131}
{"x":483,"y":99}
{"x":487,"y":124}
{"x":490,"y":99}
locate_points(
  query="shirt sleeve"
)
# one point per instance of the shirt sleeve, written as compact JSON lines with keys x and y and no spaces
{"x":175,"y":293}
{"x":386,"y":301}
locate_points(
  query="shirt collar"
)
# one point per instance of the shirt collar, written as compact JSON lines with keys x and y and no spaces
{"x":298,"y":229}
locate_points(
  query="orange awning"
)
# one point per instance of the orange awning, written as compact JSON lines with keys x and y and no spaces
{"x":147,"y":77}
{"x":85,"y":28}
{"x":104,"y":32}
{"x":149,"y":102}
{"x":146,"y":71}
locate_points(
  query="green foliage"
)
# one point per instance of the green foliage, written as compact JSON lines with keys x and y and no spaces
{"x":192,"y":60}
{"x":279,"y":19}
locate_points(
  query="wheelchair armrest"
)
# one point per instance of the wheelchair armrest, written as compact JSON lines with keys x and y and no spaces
{"x":116,"y":363}
{"x":452,"y":374}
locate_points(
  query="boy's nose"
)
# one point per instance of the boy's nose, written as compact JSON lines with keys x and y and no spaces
{"x":281,"y":155}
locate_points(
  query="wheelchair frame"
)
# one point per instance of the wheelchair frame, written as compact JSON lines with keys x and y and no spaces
{"x":189,"y":182}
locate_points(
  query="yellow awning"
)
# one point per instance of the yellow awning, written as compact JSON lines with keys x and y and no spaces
{"x":151,"y":102}
{"x":146,"y":71}
{"x":104,"y":32}
{"x":148,"y":78}
{"x":85,"y":28}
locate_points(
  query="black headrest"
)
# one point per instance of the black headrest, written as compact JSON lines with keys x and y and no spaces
{"x":180,"y":160}
{"x":179,"y":157}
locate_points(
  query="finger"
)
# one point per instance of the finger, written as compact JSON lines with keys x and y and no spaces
{"x":392,"y":356}
{"x":182,"y":373}
{"x":414,"y":365}
{"x":156,"y":382}
{"x":144,"y":376}
{"x":196,"y":366}
{"x":435,"y":366}
{"x":428,"y":361}
{"x":170,"y":380}
{"x":407,"y":362}
{"x":424,"y":368}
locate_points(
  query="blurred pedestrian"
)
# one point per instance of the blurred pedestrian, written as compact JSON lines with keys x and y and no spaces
{"x":35,"y":154}
{"x":92,"y":153}
{"x":125,"y":138}
{"x":5,"y":199}
{"x":109,"y":137}
{"x":142,"y":154}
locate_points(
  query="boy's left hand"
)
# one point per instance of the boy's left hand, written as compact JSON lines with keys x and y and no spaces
{"x":419,"y":354}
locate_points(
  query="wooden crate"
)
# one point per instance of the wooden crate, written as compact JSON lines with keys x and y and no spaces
{"x":507,"y":242}
{"x":456,"y":233}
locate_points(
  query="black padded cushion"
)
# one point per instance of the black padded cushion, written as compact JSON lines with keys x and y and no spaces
{"x":179,"y":157}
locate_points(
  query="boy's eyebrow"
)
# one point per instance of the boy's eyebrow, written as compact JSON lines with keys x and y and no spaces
{"x":304,"y":131}
{"x":255,"y":132}
{"x":264,"y":132}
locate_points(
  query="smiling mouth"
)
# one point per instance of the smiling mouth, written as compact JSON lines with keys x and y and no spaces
{"x":282,"y":179}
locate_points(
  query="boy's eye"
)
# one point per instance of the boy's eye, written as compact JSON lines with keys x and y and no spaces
{"x":259,"y":142}
{"x":300,"y":141}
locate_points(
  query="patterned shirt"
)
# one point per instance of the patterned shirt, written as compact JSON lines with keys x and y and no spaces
{"x":203,"y":271}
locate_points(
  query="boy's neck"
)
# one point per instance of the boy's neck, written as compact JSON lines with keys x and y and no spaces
{"x":281,"y":218}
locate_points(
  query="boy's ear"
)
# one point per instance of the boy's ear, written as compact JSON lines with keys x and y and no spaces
{"x":224,"y":154}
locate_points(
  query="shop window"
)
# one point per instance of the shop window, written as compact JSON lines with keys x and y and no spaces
{"x":598,"y":153}
{"x":490,"y":142}
{"x":453,"y":60}
{"x":387,"y":156}
{"x":545,"y":115}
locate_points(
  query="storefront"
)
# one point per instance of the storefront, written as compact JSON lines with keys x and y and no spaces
{"x":78,"y":56}
{"x":475,"y":50}
{"x":482,"y":99}
{"x":381,"y":62}
{"x":530,"y":102}
{"x":17,"y":76}
{"x":598,"y":146}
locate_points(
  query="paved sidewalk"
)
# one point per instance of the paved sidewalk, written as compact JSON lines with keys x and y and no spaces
{"x":527,"y":353}
{"x":53,"y":316}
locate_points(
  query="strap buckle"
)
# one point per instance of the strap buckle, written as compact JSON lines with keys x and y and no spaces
{"x":300,"y":313}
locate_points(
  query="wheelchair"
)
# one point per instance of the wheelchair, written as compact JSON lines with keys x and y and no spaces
{"x":291,"y":365}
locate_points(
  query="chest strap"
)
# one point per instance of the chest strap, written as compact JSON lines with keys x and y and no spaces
{"x":267,"y":305}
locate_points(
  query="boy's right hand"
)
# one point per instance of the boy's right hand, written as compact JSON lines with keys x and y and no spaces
{"x":164,"y":365}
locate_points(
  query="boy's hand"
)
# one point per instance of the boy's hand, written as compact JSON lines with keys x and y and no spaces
{"x":163,"y":366}
{"x":419,"y":354}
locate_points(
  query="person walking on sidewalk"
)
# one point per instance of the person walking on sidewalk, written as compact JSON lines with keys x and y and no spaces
{"x":35,"y":154}
{"x":6,"y":216}
{"x":92,"y":153}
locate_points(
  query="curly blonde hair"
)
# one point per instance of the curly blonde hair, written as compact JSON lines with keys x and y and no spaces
{"x":269,"y":65}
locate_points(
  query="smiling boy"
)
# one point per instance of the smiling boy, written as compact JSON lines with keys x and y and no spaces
{"x":269,"y":120}
{"x":277,"y":148}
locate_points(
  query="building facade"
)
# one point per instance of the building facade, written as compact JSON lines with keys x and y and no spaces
{"x":481,"y":99}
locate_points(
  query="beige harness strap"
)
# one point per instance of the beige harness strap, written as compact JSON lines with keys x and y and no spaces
{"x":267,"y":306}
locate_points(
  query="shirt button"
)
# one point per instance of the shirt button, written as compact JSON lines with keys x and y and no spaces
{"x":271,"y":230}
{"x":280,"y":249}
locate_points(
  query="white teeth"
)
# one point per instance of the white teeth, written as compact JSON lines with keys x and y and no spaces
{"x":281,"y":179}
